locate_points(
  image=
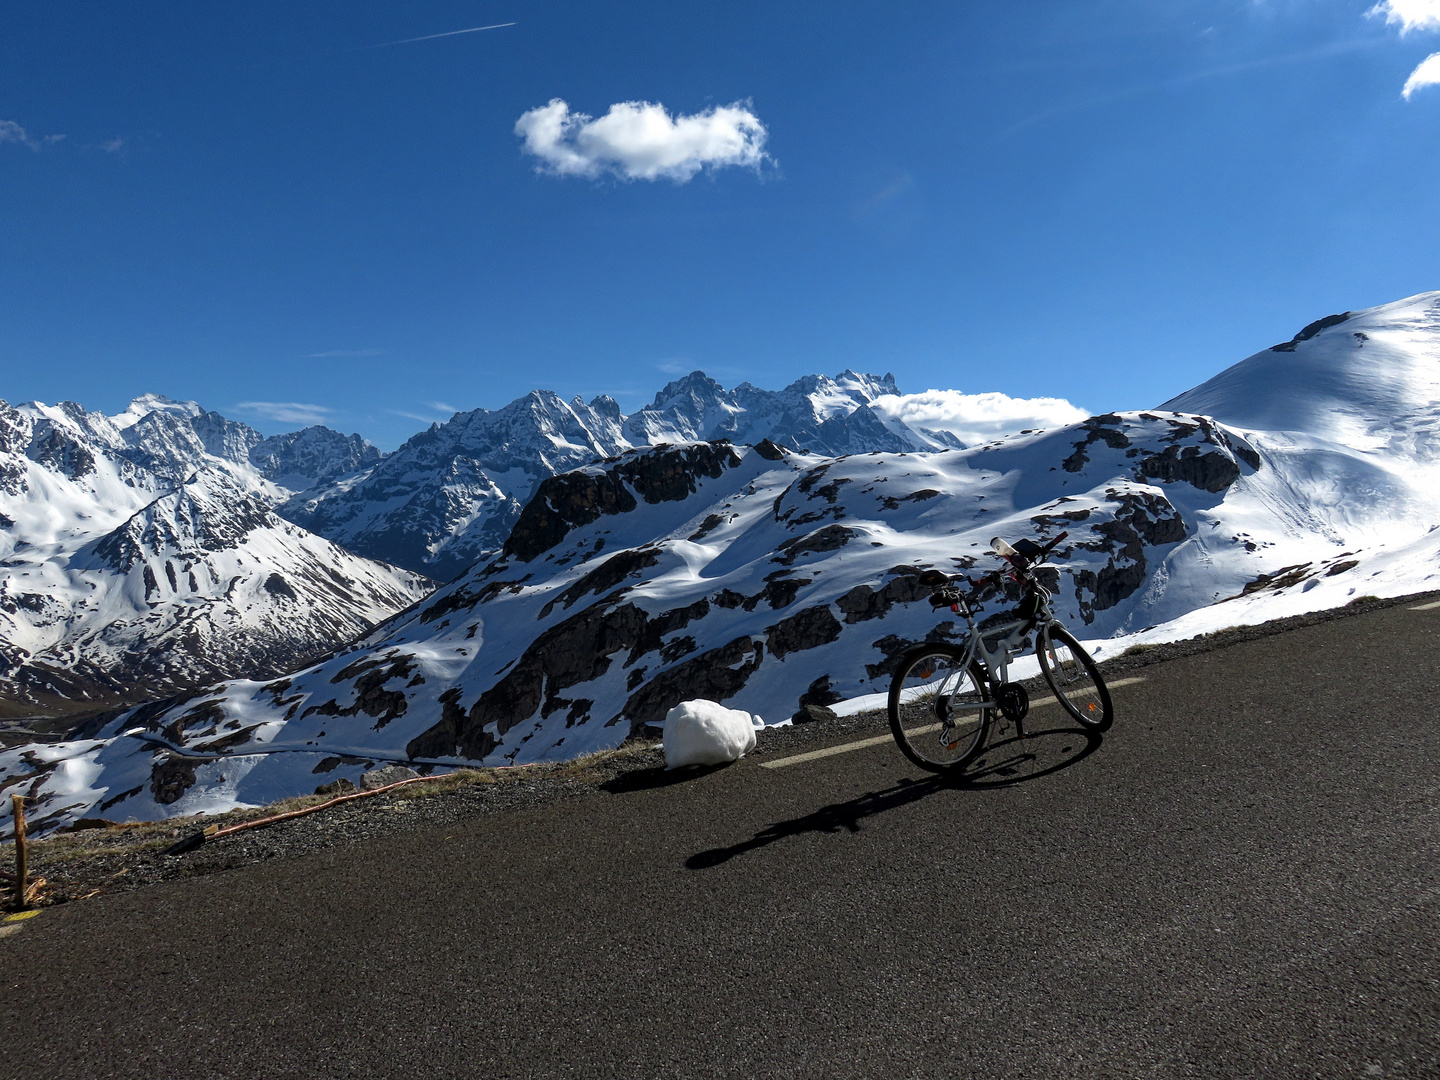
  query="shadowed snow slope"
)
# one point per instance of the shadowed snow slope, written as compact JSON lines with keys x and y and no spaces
{"x":119,"y":583}
{"x":765,"y":578}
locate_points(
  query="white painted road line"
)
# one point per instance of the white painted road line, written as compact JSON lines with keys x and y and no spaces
{"x":861,"y":744}
{"x":1426,"y":607}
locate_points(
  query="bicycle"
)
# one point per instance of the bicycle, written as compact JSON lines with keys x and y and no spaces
{"x":943,"y":697}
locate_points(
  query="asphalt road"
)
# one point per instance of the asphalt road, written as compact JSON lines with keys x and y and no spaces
{"x":1240,"y":880}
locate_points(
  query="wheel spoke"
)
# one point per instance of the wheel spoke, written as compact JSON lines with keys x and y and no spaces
{"x":939,"y":711}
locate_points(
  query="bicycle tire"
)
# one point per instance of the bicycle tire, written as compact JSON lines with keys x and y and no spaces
{"x":1073,"y":677}
{"x":939,"y":713}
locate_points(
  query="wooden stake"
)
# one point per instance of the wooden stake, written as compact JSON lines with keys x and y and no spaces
{"x":22,"y":855}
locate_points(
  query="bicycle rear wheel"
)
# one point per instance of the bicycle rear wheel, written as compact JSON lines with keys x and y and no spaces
{"x":1074,"y":678}
{"x":939,"y":713}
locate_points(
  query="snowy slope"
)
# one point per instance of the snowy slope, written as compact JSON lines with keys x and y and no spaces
{"x":119,"y":583}
{"x":765,"y":578}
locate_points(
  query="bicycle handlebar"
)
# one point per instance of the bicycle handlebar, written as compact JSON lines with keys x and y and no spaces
{"x":948,"y":596}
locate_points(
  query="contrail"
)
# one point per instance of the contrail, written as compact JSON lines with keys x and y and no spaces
{"x":432,"y":37}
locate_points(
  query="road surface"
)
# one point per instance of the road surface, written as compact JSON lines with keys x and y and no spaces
{"x":1240,"y":880}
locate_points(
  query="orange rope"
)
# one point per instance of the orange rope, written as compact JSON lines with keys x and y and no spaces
{"x":258,"y":822}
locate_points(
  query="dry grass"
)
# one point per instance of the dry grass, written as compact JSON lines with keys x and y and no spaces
{"x":139,"y":837}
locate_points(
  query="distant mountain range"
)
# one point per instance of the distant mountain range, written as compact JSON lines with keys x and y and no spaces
{"x":449,"y":496}
{"x":767,"y":575}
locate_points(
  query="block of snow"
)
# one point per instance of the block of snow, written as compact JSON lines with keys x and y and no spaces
{"x":707,"y":733}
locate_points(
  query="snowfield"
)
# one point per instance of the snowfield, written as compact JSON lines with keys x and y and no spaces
{"x":767,"y":578}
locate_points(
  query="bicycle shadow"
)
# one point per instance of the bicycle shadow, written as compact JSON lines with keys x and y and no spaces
{"x":1005,"y":763}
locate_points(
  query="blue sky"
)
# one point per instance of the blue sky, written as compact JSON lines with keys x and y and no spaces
{"x":1102,"y":200}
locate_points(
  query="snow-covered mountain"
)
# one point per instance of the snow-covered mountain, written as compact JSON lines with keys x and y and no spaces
{"x":136,"y":563}
{"x":451,"y":494}
{"x":816,"y":414}
{"x":766,"y":578}
{"x":172,"y":439}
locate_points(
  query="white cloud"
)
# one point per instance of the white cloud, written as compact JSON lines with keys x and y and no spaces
{"x":1427,"y":74}
{"x":1410,"y":14}
{"x":286,"y":412}
{"x":10,"y":131}
{"x":640,"y":140}
{"x":977,"y":418}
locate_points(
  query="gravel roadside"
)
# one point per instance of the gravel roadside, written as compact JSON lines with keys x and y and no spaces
{"x":79,"y":864}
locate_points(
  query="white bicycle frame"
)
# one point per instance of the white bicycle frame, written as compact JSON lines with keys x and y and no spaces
{"x":1003,"y":642}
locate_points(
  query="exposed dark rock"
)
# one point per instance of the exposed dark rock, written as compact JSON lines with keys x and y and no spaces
{"x":893,"y":647}
{"x":207,"y":714}
{"x":455,"y":734}
{"x":890,"y":502}
{"x":714,"y":676}
{"x":1141,"y":518}
{"x":779,"y":591}
{"x":1104,"y":428}
{"x":769,"y":451}
{"x":570,"y":500}
{"x":336,"y":787}
{"x":275,"y":585}
{"x":667,"y":622}
{"x":709,"y":525}
{"x":830,"y":538}
{"x":571,"y":652}
{"x":673,"y":650}
{"x":171,"y":777}
{"x":904,"y":587}
{"x":1279,"y":579}
{"x":226,"y":742}
{"x":728,"y":598}
{"x":461,"y":599}
{"x":371,"y":674}
{"x":820,"y":693}
{"x":1213,"y":471}
{"x":1310,"y":331}
{"x":807,"y":629}
{"x":1341,"y":567}
{"x":52,"y":447}
{"x":606,"y":576}
{"x":813,"y":714}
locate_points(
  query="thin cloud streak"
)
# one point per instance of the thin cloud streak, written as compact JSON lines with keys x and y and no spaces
{"x":286,"y":412}
{"x":1336,"y":49}
{"x":432,"y":37}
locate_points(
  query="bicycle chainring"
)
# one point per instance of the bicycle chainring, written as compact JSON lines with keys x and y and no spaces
{"x":1014,"y":701}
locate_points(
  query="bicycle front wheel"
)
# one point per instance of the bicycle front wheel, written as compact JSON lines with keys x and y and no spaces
{"x":939,"y":713}
{"x":1074,"y":678}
